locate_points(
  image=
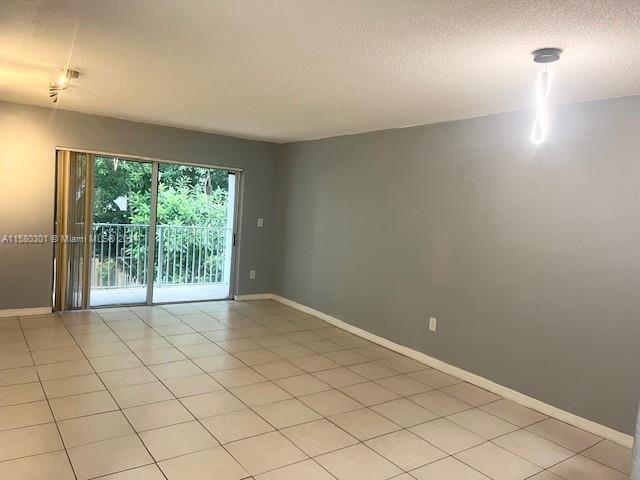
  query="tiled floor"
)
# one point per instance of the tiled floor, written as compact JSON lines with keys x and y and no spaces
{"x":230,"y":391}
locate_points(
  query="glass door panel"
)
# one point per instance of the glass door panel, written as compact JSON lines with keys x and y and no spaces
{"x":121,"y":231}
{"x":194,"y":233}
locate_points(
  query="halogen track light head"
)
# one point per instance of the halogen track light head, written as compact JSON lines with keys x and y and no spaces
{"x":546,"y":55}
{"x":61,"y":83}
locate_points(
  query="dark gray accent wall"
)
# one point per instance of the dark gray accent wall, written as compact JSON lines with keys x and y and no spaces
{"x":528,"y":256}
{"x":28,"y":139}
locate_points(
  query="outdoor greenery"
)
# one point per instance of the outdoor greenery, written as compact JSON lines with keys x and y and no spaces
{"x":187,"y":196}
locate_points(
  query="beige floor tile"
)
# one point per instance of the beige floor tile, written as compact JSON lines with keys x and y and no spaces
{"x":319,"y":437}
{"x":193,"y":385}
{"x":286,"y":413}
{"x":82,"y":404}
{"x":157,"y":415}
{"x":62,"y":387}
{"x":22,"y":442}
{"x":216,"y":363}
{"x":176,"y":440}
{"x":369,"y":393}
{"x":22,"y":393}
{"x":14,"y":376}
{"x":201,"y":350}
{"x":471,"y":394}
{"x":40,"y":321}
{"x":364,"y":423}
{"x":271,"y":341}
{"x":173,"y":329}
{"x":64,"y":369}
{"x":55,"y":355}
{"x":611,"y":454}
{"x":358,"y":463}
{"x":483,"y":423}
{"x":447,"y":435}
{"x":323,"y":346}
{"x":307,"y":470}
{"x":181,"y":368}
{"x":373,"y":370}
{"x":546,"y":475}
{"x":95,"y":339}
{"x":330,"y":402}
{"x":513,"y":412}
{"x":278,"y":369}
{"x":440,"y":403}
{"x":582,"y":468}
{"x":237,"y":425}
{"x":403,"y":385}
{"x":302,"y":337}
{"x":108,"y":456}
{"x":142,"y":394}
{"x":434,"y":378}
{"x":212,"y":403}
{"x":302,"y":385}
{"x":403,"y":364}
{"x":497,"y":463}
{"x":148,"y":472}
{"x":214,"y":463}
{"x":447,"y":469}
{"x":125,"y":378}
{"x":187,"y":339}
{"x":257,"y":357}
{"x":94,"y":428}
{"x":260,"y":393}
{"x":15,"y":360}
{"x":115,"y":362}
{"x":239,"y":345}
{"x":25,"y":415}
{"x":313,"y":363}
{"x":291,"y":351}
{"x":375,"y":352}
{"x":404,"y":412}
{"x":237,"y":377}
{"x":103,"y":349}
{"x":161,"y":355}
{"x":563,"y":434}
{"x":340,"y":377}
{"x":265,"y":452}
{"x":12,"y":348}
{"x":346,"y":357}
{"x":48,"y":466}
{"x":529,"y":446}
{"x":406,"y":450}
{"x":147,"y":344}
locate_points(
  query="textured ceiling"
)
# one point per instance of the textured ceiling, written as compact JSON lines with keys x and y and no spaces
{"x":286,"y":70}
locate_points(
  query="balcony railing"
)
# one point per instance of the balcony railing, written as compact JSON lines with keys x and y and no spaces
{"x":185,"y":255}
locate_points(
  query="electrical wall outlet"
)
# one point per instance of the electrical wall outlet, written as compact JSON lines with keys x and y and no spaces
{"x":252,"y":274}
{"x":433,"y":324}
{"x":260,"y":222}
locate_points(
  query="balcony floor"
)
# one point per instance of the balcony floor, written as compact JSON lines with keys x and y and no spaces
{"x":177,"y":293}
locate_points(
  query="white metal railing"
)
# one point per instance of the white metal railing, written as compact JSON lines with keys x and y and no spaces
{"x":186,"y":255}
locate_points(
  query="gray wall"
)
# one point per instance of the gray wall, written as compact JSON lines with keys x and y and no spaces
{"x":530,"y":259}
{"x":28,"y":137}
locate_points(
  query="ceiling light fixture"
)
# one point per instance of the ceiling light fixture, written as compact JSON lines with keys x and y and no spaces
{"x":61,"y":83}
{"x":543,"y":87}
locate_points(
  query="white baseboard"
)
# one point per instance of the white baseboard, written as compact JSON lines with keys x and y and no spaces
{"x":253,"y":296}
{"x":567,"y":417}
{"x":21,"y":312}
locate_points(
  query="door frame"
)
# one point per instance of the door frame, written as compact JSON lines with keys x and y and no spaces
{"x":155,"y":161}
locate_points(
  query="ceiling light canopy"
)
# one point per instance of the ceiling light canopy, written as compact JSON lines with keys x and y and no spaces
{"x":543,"y":88}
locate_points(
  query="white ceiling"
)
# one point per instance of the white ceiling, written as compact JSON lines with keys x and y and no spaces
{"x":286,"y":70}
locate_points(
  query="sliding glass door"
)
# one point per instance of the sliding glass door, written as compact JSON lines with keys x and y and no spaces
{"x":194,"y":232}
{"x":156,"y":232}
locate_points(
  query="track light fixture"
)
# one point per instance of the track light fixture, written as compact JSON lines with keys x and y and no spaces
{"x":61,"y":83}
{"x":543,"y":87}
